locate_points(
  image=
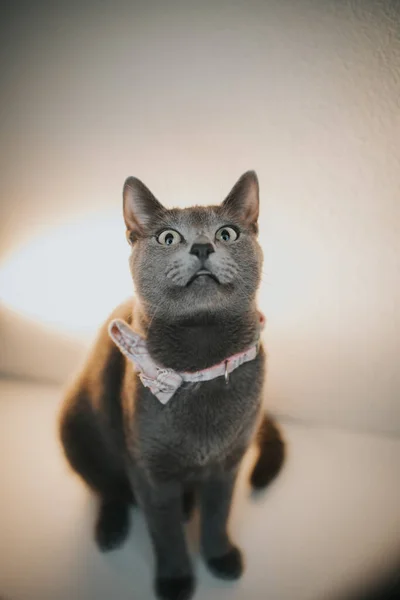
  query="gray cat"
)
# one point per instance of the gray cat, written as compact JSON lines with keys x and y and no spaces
{"x":135,"y":437}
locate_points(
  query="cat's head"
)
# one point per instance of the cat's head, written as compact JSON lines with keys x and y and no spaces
{"x":194,"y":260}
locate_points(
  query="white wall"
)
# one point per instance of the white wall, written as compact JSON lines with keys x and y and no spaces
{"x":187,"y":98}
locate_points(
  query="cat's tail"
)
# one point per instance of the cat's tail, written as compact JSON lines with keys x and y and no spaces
{"x":271,"y":457}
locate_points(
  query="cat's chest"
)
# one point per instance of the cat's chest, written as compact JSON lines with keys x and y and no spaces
{"x":203,"y":424}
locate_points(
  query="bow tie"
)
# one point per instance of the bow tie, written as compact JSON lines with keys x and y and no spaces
{"x":163,"y":383}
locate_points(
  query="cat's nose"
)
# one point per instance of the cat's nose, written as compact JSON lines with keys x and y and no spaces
{"x":202,"y":250}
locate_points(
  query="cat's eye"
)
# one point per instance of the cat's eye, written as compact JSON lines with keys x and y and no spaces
{"x":226,"y":234}
{"x":169,"y":237}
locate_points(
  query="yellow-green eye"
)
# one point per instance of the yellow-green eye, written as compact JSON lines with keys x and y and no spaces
{"x":169,"y":237}
{"x":226,"y":234}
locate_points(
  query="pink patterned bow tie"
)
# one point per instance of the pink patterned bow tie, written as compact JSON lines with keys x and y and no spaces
{"x":163,"y":383}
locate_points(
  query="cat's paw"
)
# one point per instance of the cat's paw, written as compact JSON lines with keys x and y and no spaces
{"x":228,"y":566}
{"x":112,"y":526}
{"x":177,"y":588}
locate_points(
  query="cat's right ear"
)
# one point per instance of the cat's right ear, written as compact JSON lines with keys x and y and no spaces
{"x":140,"y":208}
{"x":243,"y":199}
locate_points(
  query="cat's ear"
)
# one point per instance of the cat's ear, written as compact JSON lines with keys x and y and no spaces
{"x":140,"y":207}
{"x":243,"y":199}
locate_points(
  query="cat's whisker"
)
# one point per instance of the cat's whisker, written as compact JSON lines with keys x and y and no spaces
{"x":155,"y":312}
{"x":265,"y":281}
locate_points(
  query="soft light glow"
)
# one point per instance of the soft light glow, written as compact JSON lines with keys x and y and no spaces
{"x":72,"y":277}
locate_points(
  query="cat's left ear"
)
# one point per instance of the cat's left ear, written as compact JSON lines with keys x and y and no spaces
{"x":243,"y":199}
{"x":140,"y":208}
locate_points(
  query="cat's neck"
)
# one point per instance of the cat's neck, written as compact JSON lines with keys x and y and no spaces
{"x":201,"y":341}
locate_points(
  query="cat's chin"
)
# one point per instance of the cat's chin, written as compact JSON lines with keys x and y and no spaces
{"x":202,"y":278}
{"x":205,"y":295}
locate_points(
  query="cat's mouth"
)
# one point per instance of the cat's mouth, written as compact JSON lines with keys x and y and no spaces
{"x":203,"y":273}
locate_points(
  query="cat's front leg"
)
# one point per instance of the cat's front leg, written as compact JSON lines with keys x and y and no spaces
{"x":223,"y":558}
{"x":162,"y":506}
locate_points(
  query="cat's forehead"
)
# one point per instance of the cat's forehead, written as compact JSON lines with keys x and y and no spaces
{"x":196,"y":217}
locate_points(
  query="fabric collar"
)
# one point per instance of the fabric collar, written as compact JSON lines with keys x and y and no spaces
{"x":163,"y":383}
